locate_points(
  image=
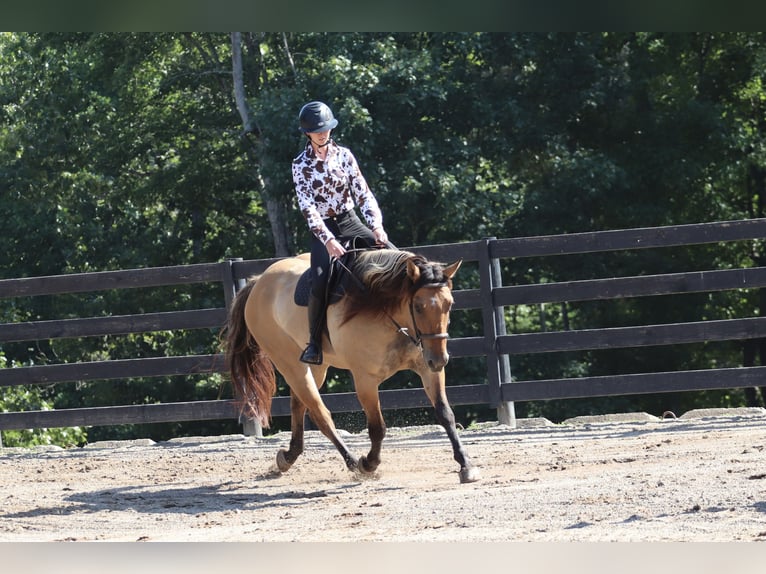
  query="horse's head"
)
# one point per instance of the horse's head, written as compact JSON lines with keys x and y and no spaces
{"x":430,"y":308}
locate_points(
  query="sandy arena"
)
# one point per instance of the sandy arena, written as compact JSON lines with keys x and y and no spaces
{"x":701,"y":477}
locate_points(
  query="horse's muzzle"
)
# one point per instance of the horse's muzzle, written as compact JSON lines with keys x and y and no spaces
{"x":436,"y":362}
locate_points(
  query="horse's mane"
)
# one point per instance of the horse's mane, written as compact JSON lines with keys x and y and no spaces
{"x":383,"y":284}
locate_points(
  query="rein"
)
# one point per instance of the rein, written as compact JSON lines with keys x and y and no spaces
{"x":417,"y":340}
{"x":351,"y":274}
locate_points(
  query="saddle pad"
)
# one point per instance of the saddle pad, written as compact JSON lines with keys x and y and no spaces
{"x":303,"y":289}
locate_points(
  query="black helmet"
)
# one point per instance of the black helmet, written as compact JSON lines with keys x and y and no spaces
{"x":316,"y":117}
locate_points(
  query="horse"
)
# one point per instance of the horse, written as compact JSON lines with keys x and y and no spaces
{"x":392,"y":316}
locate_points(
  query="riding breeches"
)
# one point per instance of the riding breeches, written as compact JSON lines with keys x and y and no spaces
{"x":346,"y":227}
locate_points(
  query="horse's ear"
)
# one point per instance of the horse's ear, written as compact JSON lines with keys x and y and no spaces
{"x":451,"y":269}
{"x":413,"y":271}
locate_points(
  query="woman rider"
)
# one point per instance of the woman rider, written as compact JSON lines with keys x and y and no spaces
{"x":329,"y":185}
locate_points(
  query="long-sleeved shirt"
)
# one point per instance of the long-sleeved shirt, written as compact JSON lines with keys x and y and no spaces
{"x":329,"y":187}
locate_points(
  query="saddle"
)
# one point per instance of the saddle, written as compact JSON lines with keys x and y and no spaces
{"x":339,"y":274}
{"x":336,"y":281}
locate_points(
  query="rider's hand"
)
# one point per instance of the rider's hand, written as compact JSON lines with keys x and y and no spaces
{"x":380,"y":236}
{"x":334,"y":248}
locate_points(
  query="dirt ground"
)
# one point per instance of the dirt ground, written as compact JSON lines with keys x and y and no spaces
{"x":700,"y":477}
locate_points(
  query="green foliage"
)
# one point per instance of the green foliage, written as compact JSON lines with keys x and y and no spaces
{"x":122,"y":150}
{"x":28,"y":398}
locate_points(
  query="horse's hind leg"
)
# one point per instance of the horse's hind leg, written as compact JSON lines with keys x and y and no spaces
{"x":305,"y":390}
{"x":286,"y":458}
{"x":322,"y":418}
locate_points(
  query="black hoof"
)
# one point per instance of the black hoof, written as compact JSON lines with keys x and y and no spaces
{"x":282,"y":463}
{"x":365,"y":467}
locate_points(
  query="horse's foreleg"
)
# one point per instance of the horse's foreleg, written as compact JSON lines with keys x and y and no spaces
{"x":376,"y":426}
{"x":446,"y":418}
{"x":286,"y":458}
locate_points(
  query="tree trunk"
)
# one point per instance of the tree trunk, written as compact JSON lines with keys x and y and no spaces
{"x":239,"y":83}
{"x":275,"y":207}
{"x":277,"y":212}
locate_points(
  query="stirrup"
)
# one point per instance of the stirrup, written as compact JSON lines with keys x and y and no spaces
{"x":312,"y":354}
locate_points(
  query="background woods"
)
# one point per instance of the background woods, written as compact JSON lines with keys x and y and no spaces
{"x":133,"y":150}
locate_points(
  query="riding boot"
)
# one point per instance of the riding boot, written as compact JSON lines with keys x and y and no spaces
{"x":312,"y":354}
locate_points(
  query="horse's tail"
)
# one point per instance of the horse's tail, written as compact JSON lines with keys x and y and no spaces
{"x":252,"y":372}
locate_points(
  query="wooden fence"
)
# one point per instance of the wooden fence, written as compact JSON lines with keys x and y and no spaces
{"x":494,"y":343}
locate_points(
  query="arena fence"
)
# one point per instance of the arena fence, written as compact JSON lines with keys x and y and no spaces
{"x":494,"y":343}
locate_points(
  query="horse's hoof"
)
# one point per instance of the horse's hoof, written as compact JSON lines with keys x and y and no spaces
{"x":470,"y":474}
{"x":352,"y":464}
{"x":364,"y":466}
{"x":282,"y":464}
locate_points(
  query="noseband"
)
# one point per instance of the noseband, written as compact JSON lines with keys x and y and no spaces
{"x":417,"y":340}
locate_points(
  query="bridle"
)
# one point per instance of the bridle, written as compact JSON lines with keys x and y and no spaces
{"x":417,"y":340}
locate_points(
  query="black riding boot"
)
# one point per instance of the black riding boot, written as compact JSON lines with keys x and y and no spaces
{"x":312,"y":354}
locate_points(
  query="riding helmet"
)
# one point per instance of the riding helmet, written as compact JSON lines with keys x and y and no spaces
{"x":316,"y":117}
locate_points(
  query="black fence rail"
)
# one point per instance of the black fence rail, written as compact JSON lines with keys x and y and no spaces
{"x":493,"y":343}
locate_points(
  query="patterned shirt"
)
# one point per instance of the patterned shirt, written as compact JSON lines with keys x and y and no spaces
{"x":329,"y":187}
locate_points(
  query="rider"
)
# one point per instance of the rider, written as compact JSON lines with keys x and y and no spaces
{"x":329,"y":184}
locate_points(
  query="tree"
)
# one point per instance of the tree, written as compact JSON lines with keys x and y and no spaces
{"x":128,"y":150}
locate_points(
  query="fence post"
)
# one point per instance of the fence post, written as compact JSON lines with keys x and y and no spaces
{"x":493,"y":319}
{"x":232,"y":285}
{"x":506,"y":410}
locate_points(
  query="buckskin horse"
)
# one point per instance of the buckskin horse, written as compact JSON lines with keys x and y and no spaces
{"x":392,"y":316}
